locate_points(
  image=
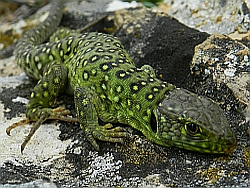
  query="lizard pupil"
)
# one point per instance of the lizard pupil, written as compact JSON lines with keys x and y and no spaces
{"x":192,"y":128}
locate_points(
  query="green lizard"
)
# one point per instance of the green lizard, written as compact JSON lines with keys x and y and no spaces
{"x":97,"y":70}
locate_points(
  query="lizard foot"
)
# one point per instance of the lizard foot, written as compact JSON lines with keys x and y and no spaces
{"x":59,"y":113}
{"x":105,"y":133}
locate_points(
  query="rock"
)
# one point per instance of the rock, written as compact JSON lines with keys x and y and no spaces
{"x":222,"y":60}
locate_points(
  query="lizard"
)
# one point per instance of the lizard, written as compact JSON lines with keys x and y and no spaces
{"x":106,"y":84}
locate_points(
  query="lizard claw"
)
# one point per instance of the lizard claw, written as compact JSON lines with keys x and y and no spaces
{"x":17,"y":124}
{"x":59,"y":113}
{"x":106,"y":133}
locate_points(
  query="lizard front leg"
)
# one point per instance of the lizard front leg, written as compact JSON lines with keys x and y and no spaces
{"x":88,"y":106}
{"x":45,"y":92}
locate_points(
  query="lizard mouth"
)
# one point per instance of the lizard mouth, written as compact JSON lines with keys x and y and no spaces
{"x":219,"y":150}
{"x":230,"y":144}
{"x":225,"y":145}
{"x":225,"y":148}
{"x":231,"y":147}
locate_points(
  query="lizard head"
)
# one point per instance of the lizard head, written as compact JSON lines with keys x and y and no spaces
{"x":193,"y":122}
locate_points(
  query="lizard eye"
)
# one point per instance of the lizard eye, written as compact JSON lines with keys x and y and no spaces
{"x":192,"y":128}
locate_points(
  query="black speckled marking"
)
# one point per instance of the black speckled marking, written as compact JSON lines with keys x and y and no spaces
{"x":111,"y":50}
{"x":150,"y":79}
{"x":84,"y":63}
{"x":138,"y":70}
{"x":156,"y":89}
{"x":135,"y":87}
{"x":87,"y":43}
{"x":108,"y":57}
{"x":94,"y":58}
{"x":132,"y":70}
{"x":121,"y":60}
{"x":118,"y":44}
{"x":93,"y":72}
{"x":88,"y":50}
{"x":150,"y":97}
{"x":109,"y":39}
{"x":100,"y":50}
{"x":85,"y":75}
{"x":121,"y":54}
{"x":121,"y":74}
{"x":105,"y":67}
{"x":98,"y":44}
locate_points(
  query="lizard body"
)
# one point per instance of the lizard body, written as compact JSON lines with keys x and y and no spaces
{"x":106,"y":84}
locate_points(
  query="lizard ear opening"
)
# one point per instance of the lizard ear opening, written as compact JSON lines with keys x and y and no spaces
{"x":153,"y":123}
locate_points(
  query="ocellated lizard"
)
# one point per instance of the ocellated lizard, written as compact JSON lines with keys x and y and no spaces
{"x":106,"y":84}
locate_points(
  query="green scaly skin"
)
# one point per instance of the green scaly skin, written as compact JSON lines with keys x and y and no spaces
{"x":97,"y":70}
